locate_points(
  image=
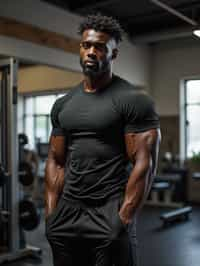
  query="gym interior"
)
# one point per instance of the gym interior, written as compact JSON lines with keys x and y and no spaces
{"x":39,"y":62}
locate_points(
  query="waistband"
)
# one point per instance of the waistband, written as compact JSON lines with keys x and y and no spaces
{"x":87,"y":203}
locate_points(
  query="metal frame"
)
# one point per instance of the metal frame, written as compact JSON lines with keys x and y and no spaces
{"x":182,"y":127}
{"x":9,"y":158}
{"x":9,"y":147}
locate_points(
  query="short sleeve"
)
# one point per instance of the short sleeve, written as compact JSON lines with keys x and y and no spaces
{"x":139,"y":113}
{"x":57,"y":130}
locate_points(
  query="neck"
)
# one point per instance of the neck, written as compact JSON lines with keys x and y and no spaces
{"x":92,"y":84}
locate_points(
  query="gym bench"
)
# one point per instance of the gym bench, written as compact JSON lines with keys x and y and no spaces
{"x":164,"y":184}
{"x":176,"y":215}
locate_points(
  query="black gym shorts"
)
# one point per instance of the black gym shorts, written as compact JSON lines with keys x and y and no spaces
{"x":81,"y":235}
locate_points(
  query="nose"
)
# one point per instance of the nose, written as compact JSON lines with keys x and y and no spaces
{"x":92,"y":52}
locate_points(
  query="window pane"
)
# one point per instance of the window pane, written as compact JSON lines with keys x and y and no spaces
{"x":29,"y":105}
{"x":41,"y":130}
{"x":44,"y":104}
{"x":37,"y":123}
{"x":193,"y":129}
{"x":193,"y":91}
{"x":29,"y":130}
{"x":49,"y":126}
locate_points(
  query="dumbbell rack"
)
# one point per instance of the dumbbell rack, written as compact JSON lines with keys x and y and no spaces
{"x":9,"y":159}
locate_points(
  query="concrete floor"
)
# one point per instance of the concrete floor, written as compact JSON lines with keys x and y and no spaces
{"x":178,"y":245}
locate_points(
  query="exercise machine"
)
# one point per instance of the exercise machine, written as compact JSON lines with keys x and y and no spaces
{"x":9,"y":191}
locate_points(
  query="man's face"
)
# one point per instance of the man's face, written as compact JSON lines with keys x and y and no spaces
{"x":97,"y":50}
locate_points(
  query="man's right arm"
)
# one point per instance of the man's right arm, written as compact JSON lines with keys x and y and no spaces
{"x":54,"y":172}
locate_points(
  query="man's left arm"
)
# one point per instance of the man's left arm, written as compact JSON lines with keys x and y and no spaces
{"x":142,"y":151}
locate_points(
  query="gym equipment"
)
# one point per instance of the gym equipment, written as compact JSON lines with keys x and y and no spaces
{"x":196,"y":176}
{"x":29,"y":217}
{"x":26,"y":169}
{"x":23,"y":139}
{"x":8,"y":145}
{"x":3,"y":176}
{"x":180,"y":185}
{"x":164,"y":184}
{"x":26,"y":174}
{"x":157,"y":187}
{"x":9,"y":160}
{"x":175,"y":215}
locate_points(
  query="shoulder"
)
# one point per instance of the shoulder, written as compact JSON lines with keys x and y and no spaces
{"x":121,"y":85}
{"x":143,"y":99}
{"x":125,"y":93}
{"x":59,"y":103}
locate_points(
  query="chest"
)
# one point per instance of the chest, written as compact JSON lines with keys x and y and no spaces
{"x":90,"y":113}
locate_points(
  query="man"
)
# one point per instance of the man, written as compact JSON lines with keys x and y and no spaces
{"x":98,"y":127}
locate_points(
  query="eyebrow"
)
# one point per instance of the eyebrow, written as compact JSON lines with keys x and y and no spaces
{"x":102,"y":42}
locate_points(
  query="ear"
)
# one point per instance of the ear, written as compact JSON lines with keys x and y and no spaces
{"x":114,"y":53}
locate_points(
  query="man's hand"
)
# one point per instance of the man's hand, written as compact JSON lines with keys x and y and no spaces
{"x":126,"y":214}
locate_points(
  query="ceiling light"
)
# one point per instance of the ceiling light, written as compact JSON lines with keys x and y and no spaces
{"x":197,"y":32}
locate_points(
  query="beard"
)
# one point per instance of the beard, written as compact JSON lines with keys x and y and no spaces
{"x":95,"y":70}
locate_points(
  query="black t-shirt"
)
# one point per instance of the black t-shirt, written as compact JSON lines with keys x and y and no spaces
{"x":95,"y":124}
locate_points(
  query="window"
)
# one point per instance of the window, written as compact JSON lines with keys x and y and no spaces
{"x":36,"y":119}
{"x":192,"y":116}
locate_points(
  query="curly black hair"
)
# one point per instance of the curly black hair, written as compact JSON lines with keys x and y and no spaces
{"x":99,"y":22}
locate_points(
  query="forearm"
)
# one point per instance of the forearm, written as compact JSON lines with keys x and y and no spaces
{"x":137,"y":188}
{"x":138,"y":185}
{"x":54,"y":183}
{"x":142,"y":151}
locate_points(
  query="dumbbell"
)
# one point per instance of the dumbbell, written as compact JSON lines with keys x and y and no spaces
{"x":3,"y":175}
{"x":29,"y":217}
{"x":26,"y":174}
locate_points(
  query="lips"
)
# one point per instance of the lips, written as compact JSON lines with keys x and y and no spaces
{"x":90,"y":63}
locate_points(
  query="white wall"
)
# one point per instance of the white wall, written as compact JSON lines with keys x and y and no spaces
{"x":132,"y":64}
{"x":172,"y":61}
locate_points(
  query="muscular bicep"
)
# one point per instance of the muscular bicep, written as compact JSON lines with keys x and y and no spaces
{"x":58,"y":149}
{"x":143,"y":147}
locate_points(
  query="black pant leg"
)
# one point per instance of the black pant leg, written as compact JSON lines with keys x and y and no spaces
{"x":62,"y":254}
{"x":114,"y":247}
{"x":134,"y":242}
{"x":61,"y":234}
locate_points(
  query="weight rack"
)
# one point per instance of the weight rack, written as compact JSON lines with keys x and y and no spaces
{"x":9,"y":160}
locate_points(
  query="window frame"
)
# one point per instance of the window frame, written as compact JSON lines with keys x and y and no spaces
{"x":35,"y":115}
{"x":183,"y":116}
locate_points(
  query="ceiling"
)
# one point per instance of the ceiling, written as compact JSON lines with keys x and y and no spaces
{"x":143,"y":20}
